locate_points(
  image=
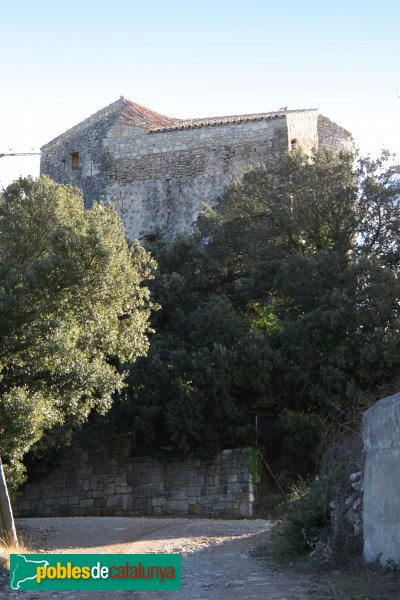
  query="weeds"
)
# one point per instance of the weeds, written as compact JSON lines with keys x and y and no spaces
{"x":8,"y":547}
{"x":306,"y":516}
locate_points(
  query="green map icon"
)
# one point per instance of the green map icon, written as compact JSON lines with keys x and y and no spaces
{"x":24,"y":569}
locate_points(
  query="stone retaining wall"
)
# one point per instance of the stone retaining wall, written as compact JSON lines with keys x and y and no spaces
{"x":91,"y":483}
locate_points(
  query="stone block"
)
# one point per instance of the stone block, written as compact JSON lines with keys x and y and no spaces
{"x":86,"y":502}
{"x":158,"y":501}
{"x":223,"y":506}
{"x":178,"y":495}
{"x":178,"y":505}
{"x":193,"y":491}
{"x":207,"y":500}
{"x":234,"y":488}
{"x":120,"y":481}
{"x":115,"y":501}
{"x":97,"y":494}
{"x":99,"y":502}
{"x":225,"y":498}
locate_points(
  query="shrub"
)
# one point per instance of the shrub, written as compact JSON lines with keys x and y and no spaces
{"x":306,"y":515}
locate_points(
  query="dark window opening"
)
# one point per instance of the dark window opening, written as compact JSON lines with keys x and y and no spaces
{"x":293,"y":143}
{"x":74,"y":161}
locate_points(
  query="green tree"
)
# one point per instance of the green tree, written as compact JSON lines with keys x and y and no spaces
{"x":284,"y":301}
{"x":74,"y":307}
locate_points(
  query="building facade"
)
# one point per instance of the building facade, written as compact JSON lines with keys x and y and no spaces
{"x":158,"y":171}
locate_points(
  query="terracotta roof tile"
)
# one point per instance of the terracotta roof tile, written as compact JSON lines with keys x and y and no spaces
{"x":179,"y":124}
{"x":135,"y":114}
{"x":139,"y":116}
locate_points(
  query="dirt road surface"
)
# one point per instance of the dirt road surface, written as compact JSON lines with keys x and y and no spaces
{"x":217,"y":556}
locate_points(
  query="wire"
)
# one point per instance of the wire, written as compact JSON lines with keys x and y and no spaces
{"x":19,"y":154}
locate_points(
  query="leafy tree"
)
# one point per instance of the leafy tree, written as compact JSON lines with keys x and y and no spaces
{"x":72,"y":299}
{"x":284,"y":301}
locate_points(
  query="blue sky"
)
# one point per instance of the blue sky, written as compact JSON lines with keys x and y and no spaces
{"x":60,"y":62}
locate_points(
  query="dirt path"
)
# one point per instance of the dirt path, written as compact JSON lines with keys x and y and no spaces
{"x":217,"y":560}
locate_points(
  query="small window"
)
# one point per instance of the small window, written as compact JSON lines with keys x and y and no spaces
{"x":75,"y":161}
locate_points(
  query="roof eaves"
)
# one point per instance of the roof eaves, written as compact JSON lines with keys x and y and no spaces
{"x":182,"y":124}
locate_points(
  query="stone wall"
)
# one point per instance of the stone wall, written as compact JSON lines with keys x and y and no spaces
{"x":333,"y":137}
{"x":382,"y":481}
{"x":93,"y":483}
{"x":158,"y":172}
{"x":87,"y":139}
{"x":159,"y":181}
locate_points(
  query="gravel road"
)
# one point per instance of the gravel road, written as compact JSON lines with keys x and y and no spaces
{"x":217,"y":561}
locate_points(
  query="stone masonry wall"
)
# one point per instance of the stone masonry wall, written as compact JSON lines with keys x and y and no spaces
{"x":158,"y":177}
{"x":87,"y":139}
{"x":158,"y":181}
{"x":333,"y":137}
{"x":92,"y":483}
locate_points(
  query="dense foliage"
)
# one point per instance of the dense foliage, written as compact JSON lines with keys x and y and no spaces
{"x":71,"y":300}
{"x":285,"y":302}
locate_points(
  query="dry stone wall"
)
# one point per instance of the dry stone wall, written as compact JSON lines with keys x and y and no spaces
{"x":92,"y":483}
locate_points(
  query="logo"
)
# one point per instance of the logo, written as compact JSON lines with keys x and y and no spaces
{"x":95,"y":571}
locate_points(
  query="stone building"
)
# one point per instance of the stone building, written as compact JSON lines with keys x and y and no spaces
{"x":157,"y":171}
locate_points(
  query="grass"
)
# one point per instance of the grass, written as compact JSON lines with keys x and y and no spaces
{"x":7,"y":548}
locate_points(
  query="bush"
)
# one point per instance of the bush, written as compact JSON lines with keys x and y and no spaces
{"x":306,"y":515}
{"x":316,"y":513}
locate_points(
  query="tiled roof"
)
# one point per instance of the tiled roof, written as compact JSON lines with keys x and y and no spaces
{"x":139,"y":116}
{"x":179,"y":124}
{"x":135,"y":114}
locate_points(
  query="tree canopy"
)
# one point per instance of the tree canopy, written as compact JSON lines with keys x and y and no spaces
{"x":74,"y":307}
{"x":284,"y":303}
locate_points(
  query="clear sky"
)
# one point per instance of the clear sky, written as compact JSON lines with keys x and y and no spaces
{"x":62,"y":61}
